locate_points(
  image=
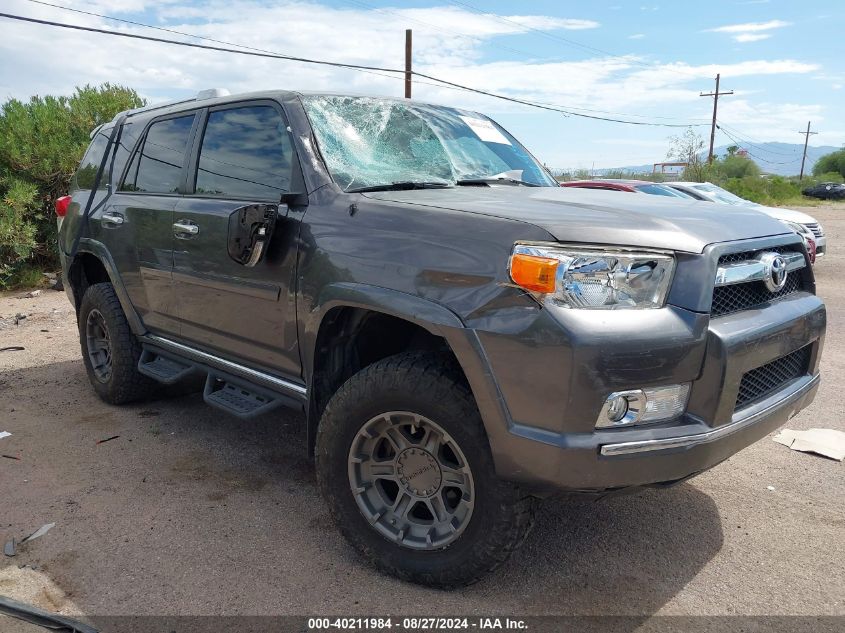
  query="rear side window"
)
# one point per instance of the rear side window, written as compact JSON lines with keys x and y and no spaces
{"x":86,"y":174}
{"x":157,"y":165}
{"x":245,"y":153}
{"x":126,"y":140}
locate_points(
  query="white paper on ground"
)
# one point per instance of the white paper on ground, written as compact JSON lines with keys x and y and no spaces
{"x":485,"y":130}
{"x":39,"y":532}
{"x":4,"y":434}
{"x":825,"y":442}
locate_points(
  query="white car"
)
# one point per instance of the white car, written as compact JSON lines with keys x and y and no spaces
{"x":712,"y":193}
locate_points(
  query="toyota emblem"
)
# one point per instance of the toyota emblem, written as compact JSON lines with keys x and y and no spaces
{"x":775,"y":271}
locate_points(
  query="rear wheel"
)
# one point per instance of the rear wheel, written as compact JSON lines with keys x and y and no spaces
{"x":109,"y":349}
{"x":404,"y":464}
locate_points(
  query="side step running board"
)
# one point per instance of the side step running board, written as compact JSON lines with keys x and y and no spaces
{"x":225,"y":389}
{"x":163,"y":368}
{"x":239,"y":400}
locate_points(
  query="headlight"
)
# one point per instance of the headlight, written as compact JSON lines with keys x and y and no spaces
{"x":597,"y":278}
{"x":802,"y":230}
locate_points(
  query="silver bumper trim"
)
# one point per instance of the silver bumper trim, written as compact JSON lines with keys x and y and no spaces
{"x":687,"y":441}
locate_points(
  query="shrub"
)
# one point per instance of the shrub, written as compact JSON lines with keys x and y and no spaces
{"x":830,"y":163}
{"x":41,"y":142}
{"x":17,"y":230}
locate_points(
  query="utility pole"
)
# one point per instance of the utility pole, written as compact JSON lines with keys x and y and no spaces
{"x":807,"y":135}
{"x":408,"y":72}
{"x":715,"y":96}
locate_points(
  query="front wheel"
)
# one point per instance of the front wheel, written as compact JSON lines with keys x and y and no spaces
{"x":405,"y":466}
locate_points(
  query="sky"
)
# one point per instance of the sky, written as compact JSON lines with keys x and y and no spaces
{"x":637,"y":61}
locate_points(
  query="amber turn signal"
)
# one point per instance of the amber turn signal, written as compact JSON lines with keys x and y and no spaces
{"x":534,"y":273}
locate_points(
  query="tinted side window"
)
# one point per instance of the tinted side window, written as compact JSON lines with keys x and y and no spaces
{"x":90,"y":163}
{"x":128,"y":136}
{"x":246,"y":153}
{"x":157,"y":166}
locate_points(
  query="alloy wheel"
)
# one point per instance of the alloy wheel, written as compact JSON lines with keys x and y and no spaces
{"x":411,"y":480}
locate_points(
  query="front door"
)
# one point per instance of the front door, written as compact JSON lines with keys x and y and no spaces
{"x":243,"y":156}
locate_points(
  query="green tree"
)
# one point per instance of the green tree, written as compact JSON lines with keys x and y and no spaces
{"x":735,"y":166}
{"x":41,"y":142}
{"x":687,"y":148}
{"x":830,"y":163}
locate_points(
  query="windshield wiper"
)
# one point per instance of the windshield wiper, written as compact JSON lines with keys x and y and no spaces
{"x":469,"y":182}
{"x":401,"y":186}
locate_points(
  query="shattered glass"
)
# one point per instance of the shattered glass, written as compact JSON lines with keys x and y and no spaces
{"x":367,"y":142}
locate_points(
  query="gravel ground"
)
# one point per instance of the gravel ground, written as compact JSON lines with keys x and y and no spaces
{"x":189,"y":511}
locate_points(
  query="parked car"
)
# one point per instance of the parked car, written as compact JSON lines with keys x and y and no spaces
{"x":660,"y":189}
{"x":713,"y":193}
{"x":631,"y":186}
{"x":462,"y":335}
{"x":826,"y":191}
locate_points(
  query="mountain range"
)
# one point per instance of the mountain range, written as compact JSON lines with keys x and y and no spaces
{"x":782,"y":159}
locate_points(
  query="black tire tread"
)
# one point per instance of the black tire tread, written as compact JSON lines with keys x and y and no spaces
{"x":126,"y":384}
{"x":437,"y":375}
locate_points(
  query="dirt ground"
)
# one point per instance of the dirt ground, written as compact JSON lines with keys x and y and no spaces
{"x":190,"y":511}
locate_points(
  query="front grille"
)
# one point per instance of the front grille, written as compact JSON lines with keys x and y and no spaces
{"x":737,"y":297}
{"x":759,"y":383}
{"x":815,"y":228}
{"x":729,"y":299}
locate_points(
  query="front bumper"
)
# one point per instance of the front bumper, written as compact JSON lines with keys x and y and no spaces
{"x":580,"y":457}
{"x":821,"y":245}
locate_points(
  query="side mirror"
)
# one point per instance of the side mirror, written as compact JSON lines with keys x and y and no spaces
{"x":250,"y":230}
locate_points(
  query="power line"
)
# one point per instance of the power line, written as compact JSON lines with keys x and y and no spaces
{"x":292,"y":58}
{"x":747,"y":140}
{"x":715,"y":96}
{"x":370,"y":72}
{"x":807,"y":135}
{"x":358,"y":67}
{"x":764,"y":160}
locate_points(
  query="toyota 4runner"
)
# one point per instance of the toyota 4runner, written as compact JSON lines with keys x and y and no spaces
{"x":462,"y":335}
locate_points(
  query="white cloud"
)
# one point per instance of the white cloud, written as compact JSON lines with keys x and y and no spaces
{"x":636,"y":36}
{"x":43,"y":60}
{"x":751,"y":37}
{"x":548,"y":24}
{"x":751,"y":27}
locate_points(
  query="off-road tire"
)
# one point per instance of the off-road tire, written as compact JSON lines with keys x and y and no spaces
{"x":125,"y":384}
{"x":429,"y":385}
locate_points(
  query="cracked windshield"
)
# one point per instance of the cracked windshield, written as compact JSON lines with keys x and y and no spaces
{"x":369,"y":142}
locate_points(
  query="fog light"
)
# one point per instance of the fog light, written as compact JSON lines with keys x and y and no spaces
{"x":643,"y":406}
{"x":617,"y":408}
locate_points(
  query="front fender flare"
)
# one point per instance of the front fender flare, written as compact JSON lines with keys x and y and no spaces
{"x":434,"y":317}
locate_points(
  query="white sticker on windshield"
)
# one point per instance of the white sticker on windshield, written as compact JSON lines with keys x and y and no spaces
{"x":485,"y":130}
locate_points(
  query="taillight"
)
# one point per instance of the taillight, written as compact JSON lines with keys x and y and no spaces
{"x":811,"y":250}
{"x":61,"y":205}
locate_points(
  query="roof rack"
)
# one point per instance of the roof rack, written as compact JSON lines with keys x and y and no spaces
{"x":209,"y":93}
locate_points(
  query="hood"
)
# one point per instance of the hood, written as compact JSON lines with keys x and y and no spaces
{"x":787,"y":214}
{"x":602,"y":217}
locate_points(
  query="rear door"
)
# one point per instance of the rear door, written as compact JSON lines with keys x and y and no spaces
{"x":137,"y":224}
{"x":242,"y":155}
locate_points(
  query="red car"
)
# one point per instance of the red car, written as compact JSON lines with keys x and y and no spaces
{"x":631,"y":186}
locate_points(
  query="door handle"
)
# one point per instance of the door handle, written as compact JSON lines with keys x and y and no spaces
{"x":114,"y":219}
{"x":184,"y":229}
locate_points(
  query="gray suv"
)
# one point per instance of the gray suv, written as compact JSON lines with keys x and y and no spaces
{"x":462,"y":335}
